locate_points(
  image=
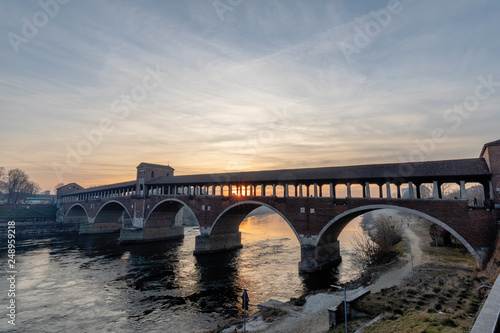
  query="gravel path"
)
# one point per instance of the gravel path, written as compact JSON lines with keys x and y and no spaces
{"x":396,"y":276}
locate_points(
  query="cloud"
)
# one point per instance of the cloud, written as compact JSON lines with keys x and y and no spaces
{"x":264,"y":88}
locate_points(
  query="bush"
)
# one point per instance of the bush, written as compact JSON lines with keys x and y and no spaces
{"x":377,"y":248}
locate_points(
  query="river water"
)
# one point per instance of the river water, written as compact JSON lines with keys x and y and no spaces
{"x":77,"y":283}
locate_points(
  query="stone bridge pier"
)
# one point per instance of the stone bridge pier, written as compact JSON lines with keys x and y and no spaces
{"x":223,"y":233}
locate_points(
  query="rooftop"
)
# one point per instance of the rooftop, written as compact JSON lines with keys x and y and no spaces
{"x":473,"y":169}
{"x":467,"y":168}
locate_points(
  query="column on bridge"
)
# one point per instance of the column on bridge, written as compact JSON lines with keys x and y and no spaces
{"x":332,"y":191}
{"x":398,"y":189}
{"x":349,"y":195}
{"x":380,"y":190}
{"x":436,"y":190}
{"x":274,"y":190}
{"x":492,"y":192}
{"x":367,"y":190}
{"x":419,"y":194}
{"x":463,"y":191}
{"x":315,"y":189}
{"x":411,"y":194}
{"x":300,"y":191}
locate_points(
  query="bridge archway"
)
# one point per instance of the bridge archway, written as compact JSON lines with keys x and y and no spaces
{"x":224,"y":233}
{"x":332,"y":229}
{"x":230,"y":219}
{"x":111,"y":217}
{"x":166,"y":211}
{"x":76,"y":213}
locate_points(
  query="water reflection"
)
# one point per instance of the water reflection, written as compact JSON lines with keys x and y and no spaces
{"x":91,"y":283}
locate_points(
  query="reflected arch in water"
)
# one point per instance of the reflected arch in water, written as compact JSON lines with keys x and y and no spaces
{"x":332,"y":230}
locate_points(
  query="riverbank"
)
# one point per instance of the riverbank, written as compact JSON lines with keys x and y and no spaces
{"x":38,"y":226}
{"x":34,"y":220}
{"x":442,"y":296}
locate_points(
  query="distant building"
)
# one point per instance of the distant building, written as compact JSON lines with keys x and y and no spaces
{"x":38,"y":200}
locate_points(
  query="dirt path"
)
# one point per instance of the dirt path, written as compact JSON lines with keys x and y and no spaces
{"x":396,"y":276}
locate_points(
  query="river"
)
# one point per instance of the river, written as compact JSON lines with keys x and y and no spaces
{"x":77,"y":283}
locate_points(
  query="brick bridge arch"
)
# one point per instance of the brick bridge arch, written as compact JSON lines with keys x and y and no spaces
{"x":224,"y":233}
{"x":111,"y":217}
{"x":159,"y":224}
{"x":328,"y":236}
{"x":76,"y":213}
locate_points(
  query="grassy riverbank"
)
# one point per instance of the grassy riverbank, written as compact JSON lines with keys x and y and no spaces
{"x":442,"y":299}
{"x":27,"y":211}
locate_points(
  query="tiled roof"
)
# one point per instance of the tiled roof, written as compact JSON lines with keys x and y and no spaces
{"x":466,"y":169}
{"x":104,"y":187}
{"x":429,"y":170}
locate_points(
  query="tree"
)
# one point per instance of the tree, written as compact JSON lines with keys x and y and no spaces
{"x":367,"y":253}
{"x":18,"y":185}
{"x":426,"y":192}
{"x":373,"y":249}
{"x":387,"y":232}
{"x":3,"y":182}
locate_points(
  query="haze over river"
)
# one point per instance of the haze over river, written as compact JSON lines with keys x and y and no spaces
{"x":92,"y":284}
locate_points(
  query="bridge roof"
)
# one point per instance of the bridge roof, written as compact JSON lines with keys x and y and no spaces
{"x":465,"y":169}
{"x":104,"y":187}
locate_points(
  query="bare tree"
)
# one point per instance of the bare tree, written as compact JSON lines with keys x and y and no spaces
{"x":387,"y":232}
{"x":366,"y":251}
{"x":18,"y":185}
{"x":426,"y":192}
{"x":3,"y":180}
{"x":370,"y":250}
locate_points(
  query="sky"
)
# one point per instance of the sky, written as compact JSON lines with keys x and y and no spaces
{"x":90,"y":89}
